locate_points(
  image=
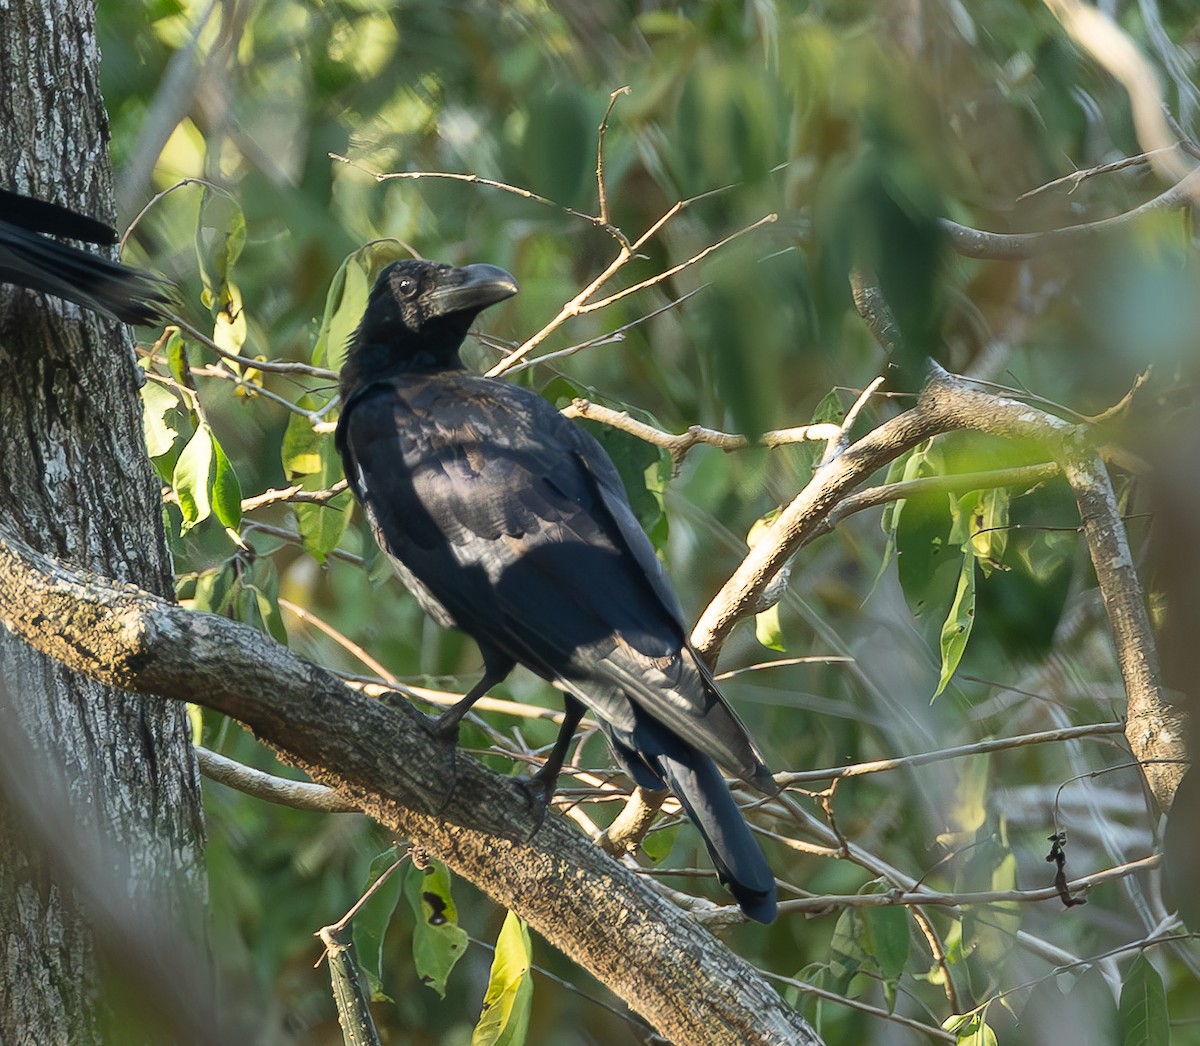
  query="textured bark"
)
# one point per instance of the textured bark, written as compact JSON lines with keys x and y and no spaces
{"x":75,"y":483}
{"x":679,"y":977}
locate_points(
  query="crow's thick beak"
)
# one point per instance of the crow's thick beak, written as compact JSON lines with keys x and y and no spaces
{"x":471,"y":288}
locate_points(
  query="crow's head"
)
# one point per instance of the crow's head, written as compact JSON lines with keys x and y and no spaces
{"x":418,"y":314}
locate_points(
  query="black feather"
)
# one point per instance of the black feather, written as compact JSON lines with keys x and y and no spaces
{"x":510,"y":522}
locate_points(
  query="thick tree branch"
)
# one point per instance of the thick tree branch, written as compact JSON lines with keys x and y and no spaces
{"x":1156,"y":729}
{"x":381,"y":757}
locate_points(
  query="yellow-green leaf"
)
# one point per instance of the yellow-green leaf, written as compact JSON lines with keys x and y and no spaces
{"x":957,"y":628}
{"x":157,"y":404}
{"x":767,"y":629}
{"x":192,"y":480}
{"x":506,"y":1005}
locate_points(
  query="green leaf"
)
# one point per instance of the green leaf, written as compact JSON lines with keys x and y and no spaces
{"x":312,"y":460}
{"x":507,"y":1003}
{"x":213,"y":589}
{"x":928,"y":559}
{"x":205,"y":482}
{"x":220,"y":237}
{"x":374,"y":917}
{"x":157,"y":404}
{"x":1143,"y":1007}
{"x":970,"y":1030}
{"x":344,"y":305}
{"x":888,"y":938}
{"x":347,"y":299}
{"x":226,"y":490}
{"x":438,"y":941}
{"x":989,"y":531}
{"x":847,"y":950}
{"x":192,"y":480}
{"x":175,"y":351}
{"x":957,"y":628}
{"x":767,"y":630}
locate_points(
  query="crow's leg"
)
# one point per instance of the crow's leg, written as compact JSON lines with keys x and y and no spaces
{"x":495,"y":670}
{"x":540,"y":787}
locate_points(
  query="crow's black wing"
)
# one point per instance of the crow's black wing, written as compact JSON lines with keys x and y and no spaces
{"x":515,"y":522}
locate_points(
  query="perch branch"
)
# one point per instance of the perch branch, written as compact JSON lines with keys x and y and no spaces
{"x":383,"y":760}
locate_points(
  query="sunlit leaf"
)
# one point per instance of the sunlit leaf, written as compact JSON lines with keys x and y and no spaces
{"x":767,"y":629}
{"x":507,"y":1003}
{"x":971,"y":1030}
{"x":193,"y":478}
{"x":158,"y":404}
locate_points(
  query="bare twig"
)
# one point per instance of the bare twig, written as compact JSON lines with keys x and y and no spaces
{"x":604,"y":339}
{"x":1077,"y":178}
{"x":295,"y":494}
{"x":300,"y":795}
{"x":678,"y":444}
{"x":1112,"y":47}
{"x":471,"y":179}
{"x":601,"y":188}
{"x":274,"y":366}
{"x":579,"y":305}
{"x":863,"y":1007}
{"x":999,"y":744}
{"x":975,"y":243}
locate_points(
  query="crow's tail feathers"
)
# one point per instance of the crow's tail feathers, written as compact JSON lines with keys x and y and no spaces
{"x":699,"y":786}
{"x":41,"y":264}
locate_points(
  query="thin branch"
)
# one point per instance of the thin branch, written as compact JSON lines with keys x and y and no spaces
{"x":293,"y":495}
{"x":863,"y":1007}
{"x":1113,"y":48}
{"x":832,"y":902}
{"x":999,"y":744}
{"x":676,"y":269}
{"x":274,"y":366}
{"x":300,"y":795}
{"x":604,"y":339}
{"x":1077,"y":178}
{"x":975,"y":243}
{"x":1020,"y":476}
{"x":344,"y":641}
{"x":601,"y":188}
{"x":471,"y":179}
{"x":678,"y":444}
{"x":576,"y":306}
{"x":389,"y":684}
{"x":292,"y":538}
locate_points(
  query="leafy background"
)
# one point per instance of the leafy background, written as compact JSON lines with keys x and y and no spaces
{"x":860,"y":125}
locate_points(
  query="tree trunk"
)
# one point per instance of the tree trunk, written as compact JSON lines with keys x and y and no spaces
{"x":75,"y":483}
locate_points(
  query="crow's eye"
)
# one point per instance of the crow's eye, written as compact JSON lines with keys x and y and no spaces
{"x":406,"y":287}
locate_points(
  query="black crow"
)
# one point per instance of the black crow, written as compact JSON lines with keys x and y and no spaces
{"x":509,"y":522}
{"x":32,"y":260}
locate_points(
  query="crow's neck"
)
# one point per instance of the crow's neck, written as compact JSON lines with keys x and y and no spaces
{"x":373,"y":361}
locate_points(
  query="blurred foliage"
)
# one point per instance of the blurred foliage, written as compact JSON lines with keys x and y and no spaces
{"x":859,"y":125}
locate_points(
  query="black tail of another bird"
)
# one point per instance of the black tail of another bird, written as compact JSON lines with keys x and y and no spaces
{"x":29,"y":259}
{"x":700,"y":787}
